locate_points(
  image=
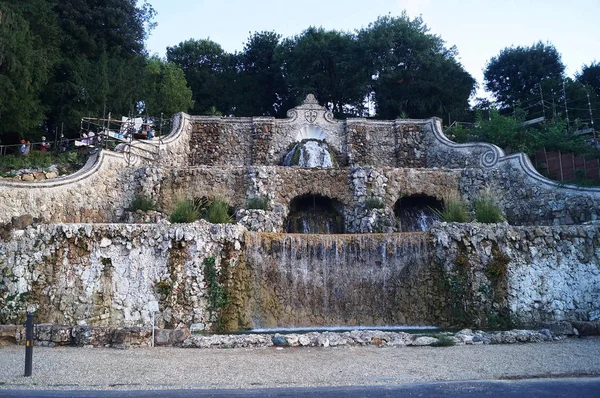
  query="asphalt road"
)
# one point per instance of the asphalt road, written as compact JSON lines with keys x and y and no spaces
{"x":541,"y":388}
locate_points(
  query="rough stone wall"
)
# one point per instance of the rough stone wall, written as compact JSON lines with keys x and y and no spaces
{"x":97,"y":193}
{"x":107,"y":274}
{"x":526,"y":201}
{"x":220,"y":141}
{"x":503,"y":275}
{"x":458,"y":274}
{"x":226,"y":183}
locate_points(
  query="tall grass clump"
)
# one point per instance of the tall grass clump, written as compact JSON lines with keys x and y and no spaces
{"x":143,"y":203}
{"x":217,"y":212}
{"x":185,"y":211}
{"x":486,"y":210}
{"x":454,"y":210}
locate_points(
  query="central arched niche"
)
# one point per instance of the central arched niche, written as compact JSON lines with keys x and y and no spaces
{"x":315,"y":214}
{"x":416,"y":213}
{"x":310,"y":149}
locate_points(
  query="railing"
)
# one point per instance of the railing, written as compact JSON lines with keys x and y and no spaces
{"x":566,"y":166}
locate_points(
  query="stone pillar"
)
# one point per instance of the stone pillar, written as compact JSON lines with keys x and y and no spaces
{"x":262,"y":135}
{"x":410,"y":150}
{"x":204,"y":143}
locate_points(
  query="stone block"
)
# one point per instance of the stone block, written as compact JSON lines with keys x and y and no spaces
{"x":162,"y":337}
{"x":22,"y":222}
{"x":61,"y":335}
{"x":587,"y":328}
{"x":121,"y":338}
{"x":559,"y":328}
{"x":179,"y":335}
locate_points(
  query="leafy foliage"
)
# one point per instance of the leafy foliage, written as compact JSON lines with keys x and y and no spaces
{"x":216,"y":295}
{"x":514,"y":75}
{"x":413,"y":72}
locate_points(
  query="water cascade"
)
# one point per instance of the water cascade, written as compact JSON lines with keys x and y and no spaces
{"x":417,"y":213}
{"x":341,"y":280}
{"x":315,"y":214}
{"x":309,"y":153}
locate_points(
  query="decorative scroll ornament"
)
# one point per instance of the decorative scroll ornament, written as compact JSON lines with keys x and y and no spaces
{"x":311,"y":115}
{"x":489,"y":158}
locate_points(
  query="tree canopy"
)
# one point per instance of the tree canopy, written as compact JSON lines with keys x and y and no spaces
{"x":517,"y":73}
{"x":61,"y":60}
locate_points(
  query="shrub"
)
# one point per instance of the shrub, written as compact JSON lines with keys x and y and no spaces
{"x":443,"y":341}
{"x":374,"y":203}
{"x":258,"y":203}
{"x":454,"y":210}
{"x":142,"y":203}
{"x":486,"y":210}
{"x":217,"y":212}
{"x":164,"y":287}
{"x":185,"y":211}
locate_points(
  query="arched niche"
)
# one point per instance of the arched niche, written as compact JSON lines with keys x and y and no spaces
{"x":315,"y":214}
{"x":416,"y":213}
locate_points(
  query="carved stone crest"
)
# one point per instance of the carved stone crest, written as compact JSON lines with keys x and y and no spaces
{"x":310,"y":116}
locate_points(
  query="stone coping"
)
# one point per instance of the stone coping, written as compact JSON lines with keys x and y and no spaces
{"x":48,"y":335}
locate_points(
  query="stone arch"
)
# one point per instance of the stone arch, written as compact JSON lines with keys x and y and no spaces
{"x":314,"y":213}
{"x":416,"y":213}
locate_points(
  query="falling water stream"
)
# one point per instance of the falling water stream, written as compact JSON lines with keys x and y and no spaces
{"x":315,"y":280}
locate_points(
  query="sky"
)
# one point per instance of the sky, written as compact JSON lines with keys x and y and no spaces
{"x":479,"y":29}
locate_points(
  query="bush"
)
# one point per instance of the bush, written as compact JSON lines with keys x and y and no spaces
{"x":142,"y":203}
{"x":217,"y":212}
{"x":258,"y":203}
{"x":374,"y":203}
{"x":486,"y":210}
{"x":185,"y":211}
{"x":454,"y":210}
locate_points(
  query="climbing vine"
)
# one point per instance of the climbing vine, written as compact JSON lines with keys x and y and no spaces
{"x":217,"y":297}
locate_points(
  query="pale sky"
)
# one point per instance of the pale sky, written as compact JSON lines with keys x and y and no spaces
{"x":478,"y":28}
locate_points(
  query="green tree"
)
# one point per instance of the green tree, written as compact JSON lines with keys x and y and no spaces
{"x":25,"y":64}
{"x":590,"y":75}
{"x":102,"y":58}
{"x":165,"y":89}
{"x":516,"y":75}
{"x":413,"y":73}
{"x":327,"y":64}
{"x":259,"y":82}
{"x":208,"y":71}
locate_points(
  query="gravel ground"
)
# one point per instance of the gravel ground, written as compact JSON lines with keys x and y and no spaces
{"x":173,"y":368}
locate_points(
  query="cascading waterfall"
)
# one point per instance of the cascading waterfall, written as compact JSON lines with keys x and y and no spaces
{"x":341,"y":280}
{"x":309,"y":153}
{"x":417,"y":219}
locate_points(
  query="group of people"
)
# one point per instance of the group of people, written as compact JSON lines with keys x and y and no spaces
{"x":44,"y":146}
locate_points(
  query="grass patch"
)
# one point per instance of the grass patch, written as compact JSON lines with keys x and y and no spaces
{"x":454,"y":210}
{"x":217,"y":212}
{"x":142,"y":203}
{"x":186,"y":211}
{"x":258,"y":203}
{"x":486,"y":210}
